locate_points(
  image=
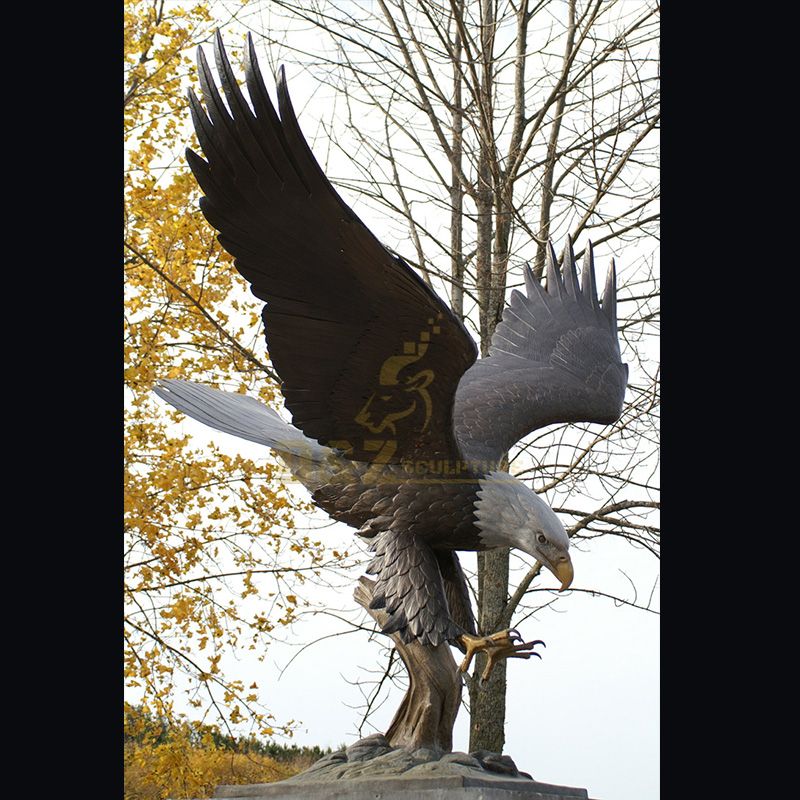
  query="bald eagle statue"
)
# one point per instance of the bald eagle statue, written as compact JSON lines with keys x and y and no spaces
{"x":398,"y":429}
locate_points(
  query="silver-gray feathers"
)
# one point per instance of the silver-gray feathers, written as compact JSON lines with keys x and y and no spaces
{"x":554,"y":357}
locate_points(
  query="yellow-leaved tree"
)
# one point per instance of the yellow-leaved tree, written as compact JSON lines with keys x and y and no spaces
{"x":213,"y":562}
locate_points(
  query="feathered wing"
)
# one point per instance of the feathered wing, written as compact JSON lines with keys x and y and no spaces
{"x":554,"y":357}
{"x":410,"y":588}
{"x":368,"y":355}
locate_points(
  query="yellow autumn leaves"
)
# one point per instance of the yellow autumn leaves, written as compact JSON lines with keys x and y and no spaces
{"x":184,"y":759}
{"x":212,"y":563}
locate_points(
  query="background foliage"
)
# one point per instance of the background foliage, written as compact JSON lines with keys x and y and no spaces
{"x":166,"y":758}
{"x":213,"y":563}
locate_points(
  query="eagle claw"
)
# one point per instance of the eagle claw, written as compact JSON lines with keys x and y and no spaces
{"x":503,"y":644}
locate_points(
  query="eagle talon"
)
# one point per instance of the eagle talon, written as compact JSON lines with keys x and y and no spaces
{"x":500,"y":645}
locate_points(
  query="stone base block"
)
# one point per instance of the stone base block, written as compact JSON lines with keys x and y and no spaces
{"x":401,"y":787}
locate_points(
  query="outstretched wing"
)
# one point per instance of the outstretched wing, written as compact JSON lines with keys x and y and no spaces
{"x":554,"y":358}
{"x":368,"y":355}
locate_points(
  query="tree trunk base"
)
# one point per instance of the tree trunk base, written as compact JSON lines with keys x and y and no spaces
{"x":428,"y":711}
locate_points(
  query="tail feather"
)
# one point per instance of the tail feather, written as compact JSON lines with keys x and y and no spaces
{"x":240,"y":416}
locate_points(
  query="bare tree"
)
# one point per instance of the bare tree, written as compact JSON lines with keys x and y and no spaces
{"x":490,"y":127}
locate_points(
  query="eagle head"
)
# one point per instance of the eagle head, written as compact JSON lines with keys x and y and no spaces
{"x":509,"y":514}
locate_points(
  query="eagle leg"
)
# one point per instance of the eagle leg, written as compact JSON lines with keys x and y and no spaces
{"x":503,"y":644}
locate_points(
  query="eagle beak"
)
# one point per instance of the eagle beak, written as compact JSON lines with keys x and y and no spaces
{"x":565,"y":573}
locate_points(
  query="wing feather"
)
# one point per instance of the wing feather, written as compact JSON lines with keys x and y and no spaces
{"x":411,"y":590}
{"x":339,"y":306}
{"x":554,"y":357}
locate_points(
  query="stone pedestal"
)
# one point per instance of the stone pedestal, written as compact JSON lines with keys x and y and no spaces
{"x":404,"y":787}
{"x":371,"y":769}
